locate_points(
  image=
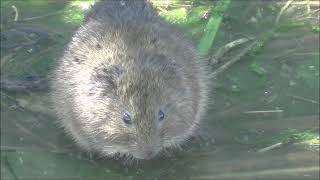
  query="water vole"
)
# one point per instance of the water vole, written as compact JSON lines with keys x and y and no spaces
{"x":128,"y":83}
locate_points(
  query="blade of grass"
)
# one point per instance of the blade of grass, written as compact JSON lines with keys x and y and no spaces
{"x":213,"y":26}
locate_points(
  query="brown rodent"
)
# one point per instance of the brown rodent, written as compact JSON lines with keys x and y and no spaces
{"x":128,"y":83}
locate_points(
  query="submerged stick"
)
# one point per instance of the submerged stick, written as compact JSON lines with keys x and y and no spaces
{"x":24,"y":85}
{"x":6,"y":162}
{"x":32,"y":135}
{"x":263,"y":150}
{"x":266,"y":111}
{"x":304,"y":99}
{"x":276,"y":172}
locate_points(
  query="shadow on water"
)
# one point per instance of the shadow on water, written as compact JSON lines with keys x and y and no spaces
{"x":264,"y":118}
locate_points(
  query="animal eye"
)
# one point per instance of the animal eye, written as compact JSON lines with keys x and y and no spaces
{"x":161,"y":115}
{"x":126,"y":117}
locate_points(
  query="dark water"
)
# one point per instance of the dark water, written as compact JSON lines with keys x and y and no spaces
{"x":269,"y":97}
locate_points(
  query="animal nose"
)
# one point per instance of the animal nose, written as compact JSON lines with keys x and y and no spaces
{"x":149,"y":154}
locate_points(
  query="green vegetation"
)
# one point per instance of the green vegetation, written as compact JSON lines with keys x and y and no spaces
{"x":76,"y":11}
{"x":213,"y":26}
{"x":297,"y":136}
{"x":273,"y":87}
{"x":258,"y":69}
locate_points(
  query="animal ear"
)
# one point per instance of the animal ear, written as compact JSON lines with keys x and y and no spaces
{"x":108,"y":75}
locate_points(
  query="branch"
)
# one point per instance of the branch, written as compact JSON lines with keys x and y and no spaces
{"x":282,"y":10}
{"x":16,"y":16}
{"x":222,"y":51}
{"x":233,"y":60}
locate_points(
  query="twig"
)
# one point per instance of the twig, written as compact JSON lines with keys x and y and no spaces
{"x":43,"y":16}
{"x":39,"y":139}
{"x":222,"y":51}
{"x":16,"y":85}
{"x":16,"y":16}
{"x":286,"y":53}
{"x":6,"y":58}
{"x":311,"y":3}
{"x":7,"y":163}
{"x":34,"y":149}
{"x":18,"y":46}
{"x":162,"y":9}
{"x":304,"y":99}
{"x":310,"y":13}
{"x":282,"y":10}
{"x":267,"y":111}
{"x":264,"y":174}
{"x":307,"y":17}
{"x":300,"y":54}
{"x":233,"y":60}
{"x":270,"y":148}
